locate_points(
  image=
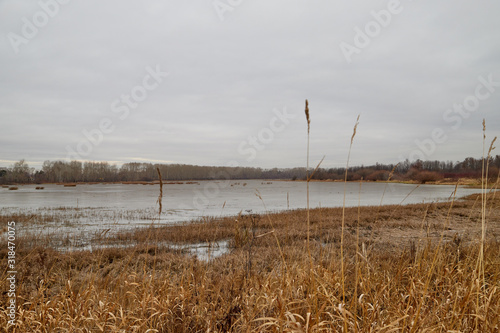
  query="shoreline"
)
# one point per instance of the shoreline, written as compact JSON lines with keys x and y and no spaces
{"x":376,"y":261}
{"x":224,"y":224}
{"x":460,"y":182}
{"x":399,"y":215}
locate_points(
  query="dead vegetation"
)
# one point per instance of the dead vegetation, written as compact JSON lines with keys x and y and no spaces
{"x":415,"y":269}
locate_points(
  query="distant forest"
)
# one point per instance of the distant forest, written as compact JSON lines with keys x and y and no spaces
{"x":76,"y":171}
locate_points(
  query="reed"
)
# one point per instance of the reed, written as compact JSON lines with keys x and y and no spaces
{"x":480,"y":269}
{"x":308,"y":179}
{"x":343,"y":220}
{"x":160,"y":196}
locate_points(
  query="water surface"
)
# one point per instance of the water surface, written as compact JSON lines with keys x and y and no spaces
{"x":78,"y":211}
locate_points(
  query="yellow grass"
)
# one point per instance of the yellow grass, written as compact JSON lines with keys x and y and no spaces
{"x":400,"y":266}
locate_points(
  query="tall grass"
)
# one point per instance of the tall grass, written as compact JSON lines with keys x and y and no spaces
{"x":480,"y":267}
{"x":160,"y":196}
{"x":308,"y":179}
{"x":155,"y":287}
{"x":343,"y":219}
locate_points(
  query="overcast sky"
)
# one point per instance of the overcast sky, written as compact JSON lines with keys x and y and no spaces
{"x":91,"y":77}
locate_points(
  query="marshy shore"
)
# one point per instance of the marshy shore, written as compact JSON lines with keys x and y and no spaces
{"x":367,"y":269}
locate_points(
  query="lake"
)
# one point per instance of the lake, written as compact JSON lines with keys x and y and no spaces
{"x":91,"y":208}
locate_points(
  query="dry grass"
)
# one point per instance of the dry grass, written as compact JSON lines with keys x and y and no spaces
{"x":399,"y":267}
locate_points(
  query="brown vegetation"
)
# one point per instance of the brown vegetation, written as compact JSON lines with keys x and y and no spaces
{"x":415,"y":268}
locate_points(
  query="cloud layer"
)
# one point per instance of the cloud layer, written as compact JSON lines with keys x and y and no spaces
{"x":232,"y":65}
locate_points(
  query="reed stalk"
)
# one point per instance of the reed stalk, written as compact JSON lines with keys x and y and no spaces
{"x":342,"y":259}
{"x":308,"y":179}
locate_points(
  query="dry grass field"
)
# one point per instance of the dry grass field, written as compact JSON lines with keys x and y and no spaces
{"x":411,"y":268}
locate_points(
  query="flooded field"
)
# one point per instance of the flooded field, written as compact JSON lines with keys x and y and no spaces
{"x":73,"y":215}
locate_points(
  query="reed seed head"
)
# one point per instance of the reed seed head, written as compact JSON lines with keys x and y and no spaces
{"x":492,"y":147}
{"x":392,"y":171}
{"x":307,"y":117}
{"x":355,"y":128}
{"x":484,"y":128}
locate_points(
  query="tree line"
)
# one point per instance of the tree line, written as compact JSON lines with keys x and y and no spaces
{"x":420,"y":171}
{"x":77,"y":171}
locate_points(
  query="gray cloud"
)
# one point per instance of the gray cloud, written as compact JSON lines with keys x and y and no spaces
{"x":226,"y":78}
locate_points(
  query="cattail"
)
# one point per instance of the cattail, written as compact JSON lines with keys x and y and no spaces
{"x":307,"y":117}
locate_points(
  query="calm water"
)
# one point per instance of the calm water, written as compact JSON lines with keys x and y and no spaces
{"x":97,"y":207}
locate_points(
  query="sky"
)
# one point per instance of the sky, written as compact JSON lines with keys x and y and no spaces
{"x":224,"y":82}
